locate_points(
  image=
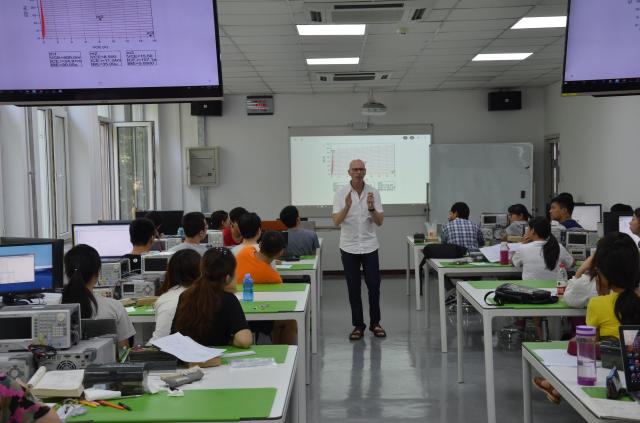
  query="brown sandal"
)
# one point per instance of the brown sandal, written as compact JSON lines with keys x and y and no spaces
{"x":544,"y":385}
{"x":378,"y":332}
{"x":356,"y":334}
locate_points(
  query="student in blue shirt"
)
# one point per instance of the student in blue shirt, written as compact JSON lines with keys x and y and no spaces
{"x":561,"y":210}
{"x":460,"y":230}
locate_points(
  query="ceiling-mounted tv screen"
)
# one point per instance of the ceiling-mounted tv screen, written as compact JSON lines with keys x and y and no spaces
{"x":602,"y":56}
{"x":108,"y":51}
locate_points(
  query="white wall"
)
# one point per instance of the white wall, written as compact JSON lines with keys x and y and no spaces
{"x":599,"y":146}
{"x":254,"y":157}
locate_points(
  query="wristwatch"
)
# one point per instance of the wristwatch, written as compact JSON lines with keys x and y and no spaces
{"x":372,"y":210}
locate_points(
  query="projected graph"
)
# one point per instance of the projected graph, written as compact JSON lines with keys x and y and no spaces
{"x":379,"y":158}
{"x":95,"y":19}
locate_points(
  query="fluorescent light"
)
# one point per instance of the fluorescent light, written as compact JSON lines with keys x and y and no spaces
{"x":334,"y":61}
{"x":331,"y":29}
{"x":541,"y":22}
{"x":500,"y":56}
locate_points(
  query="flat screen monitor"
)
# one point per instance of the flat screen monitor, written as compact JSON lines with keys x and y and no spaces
{"x":105,"y":51}
{"x":610,"y":220}
{"x":588,"y":216}
{"x":26,"y":269}
{"x":108,"y":240}
{"x":623,"y":226}
{"x":58,"y":254}
{"x":171,"y":220}
{"x":601,"y":49}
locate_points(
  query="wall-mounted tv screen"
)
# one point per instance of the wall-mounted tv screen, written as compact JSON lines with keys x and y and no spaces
{"x":601,"y":53}
{"x":108,"y":51}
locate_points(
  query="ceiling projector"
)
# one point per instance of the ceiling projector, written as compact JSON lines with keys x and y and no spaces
{"x":373,"y":108}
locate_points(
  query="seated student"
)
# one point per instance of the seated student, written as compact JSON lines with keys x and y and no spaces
{"x":582,"y":287}
{"x":209,"y":312}
{"x":249,"y":226}
{"x":634,"y":224}
{"x":541,"y":254}
{"x":220,"y":220}
{"x":460,"y":230}
{"x":518,"y":217}
{"x":232,"y":235}
{"x":616,"y":265}
{"x":257,"y":263}
{"x":561,"y":209}
{"x":141,"y":234}
{"x":182,"y":270}
{"x":18,"y":405}
{"x":301,"y":242}
{"x":195,"y":230}
{"x":621,"y":208}
{"x":156,"y":218}
{"x":82,"y":266}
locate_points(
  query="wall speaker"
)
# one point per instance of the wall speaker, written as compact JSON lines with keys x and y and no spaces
{"x":206,"y":108}
{"x":505,"y":100}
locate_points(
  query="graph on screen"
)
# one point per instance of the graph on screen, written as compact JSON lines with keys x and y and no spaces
{"x":95,"y":19}
{"x":379,"y":158}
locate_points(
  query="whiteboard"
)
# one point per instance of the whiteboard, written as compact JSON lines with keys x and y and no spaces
{"x":396,"y":158}
{"x":488,"y":177}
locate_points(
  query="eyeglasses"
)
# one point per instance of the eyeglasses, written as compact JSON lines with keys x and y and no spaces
{"x":358,"y":169}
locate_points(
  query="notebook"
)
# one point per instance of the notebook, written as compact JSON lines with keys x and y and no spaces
{"x":57,"y":383}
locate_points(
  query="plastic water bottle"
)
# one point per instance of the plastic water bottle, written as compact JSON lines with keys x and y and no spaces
{"x":181,"y":232}
{"x":586,"y":343}
{"x":504,"y":253}
{"x":247,"y":288}
{"x":561,"y":280}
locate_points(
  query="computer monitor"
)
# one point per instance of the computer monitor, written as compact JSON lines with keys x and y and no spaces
{"x":58,"y":254}
{"x":623,"y":226}
{"x":114,"y":222}
{"x":108,"y":240}
{"x":494,"y":219}
{"x":171,"y":220}
{"x":610,"y":220}
{"x":25,"y":269}
{"x":588,"y":216}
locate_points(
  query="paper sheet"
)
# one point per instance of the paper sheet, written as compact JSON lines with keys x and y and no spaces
{"x":492,"y":253}
{"x":284,"y":266}
{"x":186,"y":349}
{"x":130,"y":309}
{"x":56,"y":379}
{"x":557,"y":358}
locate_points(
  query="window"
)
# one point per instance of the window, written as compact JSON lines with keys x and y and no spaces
{"x":134,"y":162}
{"x":107,"y":209}
{"x":52,"y":173}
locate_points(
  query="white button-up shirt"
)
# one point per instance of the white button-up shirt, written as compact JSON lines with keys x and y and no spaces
{"x":357,"y":231}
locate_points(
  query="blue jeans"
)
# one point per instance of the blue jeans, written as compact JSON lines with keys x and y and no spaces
{"x":371,"y":268}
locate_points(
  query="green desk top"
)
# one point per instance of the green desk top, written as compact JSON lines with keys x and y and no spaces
{"x":479,"y":265}
{"x":277,"y":352}
{"x":294,"y":267}
{"x":600,"y":392}
{"x":267,"y":306}
{"x":197,"y":405}
{"x":143,"y":311}
{"x":277,"y":287}
{"x":561,"y":304}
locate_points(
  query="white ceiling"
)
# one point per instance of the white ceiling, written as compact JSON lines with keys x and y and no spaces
{"x":263,"y":53}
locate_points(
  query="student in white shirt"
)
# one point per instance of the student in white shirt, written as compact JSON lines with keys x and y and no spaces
{"x":195,"y":231}
{"x":582,"y":287}
{"x":82,"y":266}
{"x":182,"y":270}
{"x":541,"y":254}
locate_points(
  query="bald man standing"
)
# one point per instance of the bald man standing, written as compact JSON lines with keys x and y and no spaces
{"x":357,"y":209}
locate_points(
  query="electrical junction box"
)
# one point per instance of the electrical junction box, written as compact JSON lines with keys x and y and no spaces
{"x":202,"y":166}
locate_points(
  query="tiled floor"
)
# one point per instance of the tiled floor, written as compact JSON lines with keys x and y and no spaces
{"x":405,"y":378}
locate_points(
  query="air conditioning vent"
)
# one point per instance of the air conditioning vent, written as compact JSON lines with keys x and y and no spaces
{"x":418,"y":14}
{"x":368,"y":11}
{"x":351,"y":76}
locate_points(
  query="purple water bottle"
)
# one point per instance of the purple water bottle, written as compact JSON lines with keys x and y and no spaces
{"x":586,"y":343}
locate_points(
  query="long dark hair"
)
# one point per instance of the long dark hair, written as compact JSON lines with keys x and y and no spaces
{"x":199,"y":305}
{"x":551,"y":249}
{"x":617,"y":259}
{"x":183,"y":269}
{"x":81,"y":264}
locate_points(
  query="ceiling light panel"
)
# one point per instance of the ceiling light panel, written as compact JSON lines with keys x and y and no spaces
{"x":331,"y":29}
{"x":334,"y":61}
{"x":490,"y":57}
